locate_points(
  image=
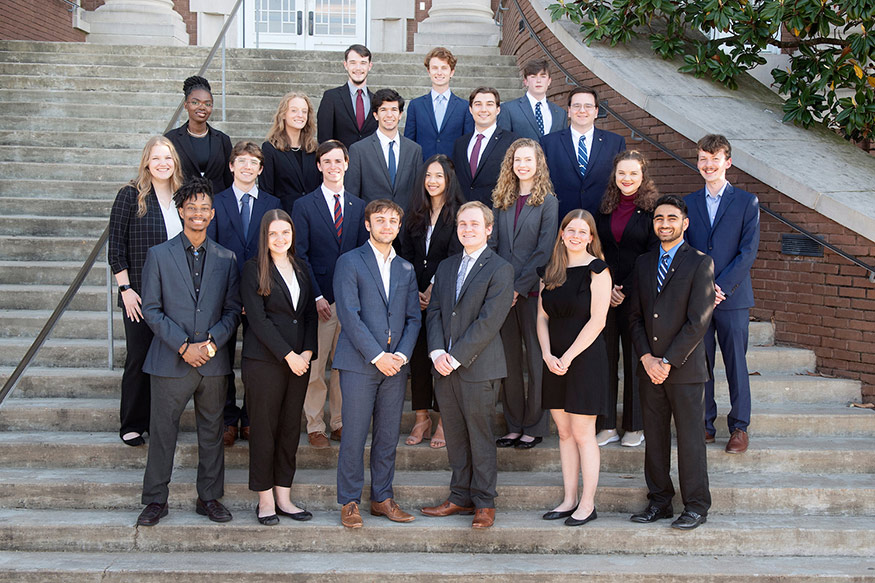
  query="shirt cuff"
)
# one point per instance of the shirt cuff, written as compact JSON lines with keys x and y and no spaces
{"x":456,"y":364}
{"x":379,"y":356}
{"x":319,"y":298}
{"x":402,"y":356}
{"x":434,"y":354}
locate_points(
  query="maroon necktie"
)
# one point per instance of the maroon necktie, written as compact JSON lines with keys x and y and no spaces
{"x":475,"y":155}
{"x":359,"y":109}
{"x":338,"y":216}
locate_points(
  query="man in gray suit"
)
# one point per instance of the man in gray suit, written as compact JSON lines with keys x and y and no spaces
{"x":377,"y":301}
{"x":385,"y":164}
{"x":191,"y":302}
{"x":532,"y":115}
{"x":471,"y":297}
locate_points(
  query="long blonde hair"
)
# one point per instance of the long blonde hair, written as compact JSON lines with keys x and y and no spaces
{"x":277,"y":135}
{"x":554,"y":273}
{"x":507,"y":188}
{"x":143,"y":182}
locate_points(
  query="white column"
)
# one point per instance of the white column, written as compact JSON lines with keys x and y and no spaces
{"x":463,"y":26}
{"x":137,"y":22}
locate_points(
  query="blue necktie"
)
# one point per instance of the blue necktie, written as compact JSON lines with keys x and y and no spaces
{"x":582,"y":158}
{"x":245,"y":214}
{"x":661,"y":272}
{"x":393,"y":168}
{"x":539,"y":117}
{"x":440,"y":108}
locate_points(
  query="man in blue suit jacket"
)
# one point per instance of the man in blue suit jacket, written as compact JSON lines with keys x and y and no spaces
{"x":239,"y":234}
{"x":532,"y":116}
{"x":378,"y":309}
{"x":436,"y":119}
{"x":725,"y":224}
{"x":580,"y":172}
{"x":328,"y":222}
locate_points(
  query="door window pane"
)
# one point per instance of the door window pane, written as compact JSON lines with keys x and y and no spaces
{"x":275,"y":16}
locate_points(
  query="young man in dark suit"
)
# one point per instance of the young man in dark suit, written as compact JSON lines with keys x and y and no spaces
{"x":191,"y":302}
{"x":470,"y":300}
{"x":580,"y":158}
{"x":435,"y":120}
{"x":532,"y":115}
{"x":478,"y":156}
{"x":343,"y":111}
{"x":378,"y":309}
{"x":671,"y":305}
{"x":725,"y":224}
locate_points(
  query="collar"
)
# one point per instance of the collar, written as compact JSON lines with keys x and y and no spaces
{"x":384,"y":139}
{"x":575,"y":136}
{"x":671,"y":252}
{"x":239,"y":192}
{"x":187,"y":245}
{"x":353,"y":89}
{"x":329,"y":194}
{"x":446,"y":94}
{"x":719,"y":192}
{"x":382,"y":259}
{"x":476,"y":254}
{"x":533,"y":101}
{"x":487,"y":134}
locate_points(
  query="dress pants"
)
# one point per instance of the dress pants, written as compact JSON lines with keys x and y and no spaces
{"x":617,"y":333}
{"x":169,"y":398}
{"x":731,"y":327}
{"x":276,"y":397}
{"x":365,"y":397}
{"x":317,"y":390}
{"x":136,"y":386}
{"x":522,"y":405}
{"x":686,"y":403}
{"x":233,"y":414}
{"x":467,"y":410}
{"x":421,"y":378}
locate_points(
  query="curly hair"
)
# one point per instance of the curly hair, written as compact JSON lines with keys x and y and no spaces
{"x":645,"y":196}
{"x":507,"y":188}
{"x":195,"y":82}
{"x":277,"y":136}
{"x":143,"y":181}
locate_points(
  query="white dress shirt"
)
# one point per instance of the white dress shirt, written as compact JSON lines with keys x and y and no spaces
{"x":384,"y":143}
{"x":575,"y":138}
{"x":545,"y":111}
{"x":172,"y":224}
{"x":384,"y":264}
{"x":294,"y":288}
{"x":487,"y":135}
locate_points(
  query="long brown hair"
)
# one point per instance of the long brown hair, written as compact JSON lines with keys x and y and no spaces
{"x":507,"y":188}
{"x":143,"y":181}
{"x":645,"y":197}
{"x":277,"y":135}
{"x":264,"y":257}
{"x":554,"y":274}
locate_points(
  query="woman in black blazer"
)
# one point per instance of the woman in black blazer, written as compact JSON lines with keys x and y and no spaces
{"x":290,"y":151}
{"x":625,"y":227}
{"x":142,"y":215}
{"x":429,"y":237}
{"x":278,"y":346}
{"x":203,"y":150}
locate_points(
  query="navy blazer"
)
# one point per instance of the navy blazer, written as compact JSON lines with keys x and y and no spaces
{"x":316,"y":241}
{"x":218,"y":172}
{"x":517,"y":116}
{"x":335,"y":119}
{"x":421,"y":126}
{"x":732,"y":241}
{"x":284,"y":178}
{"x":226,"y":228}
{"x":480,"y":186}
{"x":573,"y":190}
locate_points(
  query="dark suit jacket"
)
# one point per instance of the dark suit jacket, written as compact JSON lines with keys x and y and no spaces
{"x":732,"y":242}
{"x":672,"y":323}
{"x":444,"y":242}
{"x":316,"y":242}
{"x":528,"y":246}
{"x":218,"y":172}
{"x":276,"y":327}
{"x":175,"y":313}
{"x":473,"y":322}
{"x":226,"y":228}
{"x":368,"y":174}
{"x":285,"y":178}
{"x":518,"y":117}
{"x":335,"y":119}
{"x":576,"y":191}
{"x":638,"y":238}
{"x":479,"y":187}
{"x":421,"y":126}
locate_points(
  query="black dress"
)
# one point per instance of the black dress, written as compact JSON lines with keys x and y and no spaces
{"x":583,"y":390}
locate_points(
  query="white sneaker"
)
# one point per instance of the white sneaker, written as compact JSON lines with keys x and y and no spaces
{"x":606,"y":436}
{"x":632,"y":438}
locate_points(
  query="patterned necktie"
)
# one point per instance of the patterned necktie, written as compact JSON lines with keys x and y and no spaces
{"x":359,"y":109}
{"x":393,"y":168}
{"x":440,"y":108}
{"x":475,"y":155}
{"x":582,"y":158}
{"x":539,"y":117}
{"x":661,"y":272}
{"x":338,"y":216}
{"x":245,"y":214}
{"x":463,"y":271}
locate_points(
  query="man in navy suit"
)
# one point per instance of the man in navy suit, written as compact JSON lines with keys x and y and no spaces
{"x":238,"y":216}
{"x":581,"y":157}
{"x":478,"y":156}
{"x":378,"y":308}
{"x":435,"y":120}
{"x":343,"y":111}
{"x":328,"y":222}
{"x":532,"y":116}
{"x":725,"y":224}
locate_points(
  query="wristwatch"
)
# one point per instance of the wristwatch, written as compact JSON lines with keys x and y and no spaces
{"x":124,"y":287}
{"x":210,"y":350}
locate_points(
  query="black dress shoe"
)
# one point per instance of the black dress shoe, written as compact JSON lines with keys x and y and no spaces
{"x":301,"y":516}
{"x":571,"y":521}
{"x":271,"y":520}
{"x":134,"y":441}
{"x":213,"y":509}
{"x":152,"y":513}
{"x":506,"y":441}
{"x":557,"y":514}
{"x":520,"y":444}
{"x":689,"y":520}
{"x":652,"y":514}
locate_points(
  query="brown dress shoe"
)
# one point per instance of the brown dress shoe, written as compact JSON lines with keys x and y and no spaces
{"x":447,"y":509}
{"x":318,"y":440}
{"x":484,"y":518}
{"x":229,"y":436}
{"x":738,"y":442}
{"x":390,"y":509}
{"x":335,"y":435}
{"x":709,"y":437}
{"x":244,"y":433}
{"x":349,"y":515}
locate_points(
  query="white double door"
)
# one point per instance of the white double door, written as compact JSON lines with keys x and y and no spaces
{"x":305,"y":24}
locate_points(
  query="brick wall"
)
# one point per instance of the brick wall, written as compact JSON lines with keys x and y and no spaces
{"x":44,"y":20}
{"x":181,"y":7}
{"x":825,"y":304}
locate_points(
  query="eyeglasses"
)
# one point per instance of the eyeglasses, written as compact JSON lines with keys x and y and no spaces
{"x":578,"y":107}
{"x":197,"y":102}
{"x":239,"y":161}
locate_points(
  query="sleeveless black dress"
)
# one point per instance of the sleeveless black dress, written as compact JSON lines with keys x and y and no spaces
{"x":583,"y":390}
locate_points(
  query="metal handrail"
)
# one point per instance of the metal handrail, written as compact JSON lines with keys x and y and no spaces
{"x":671,"y":153}
{"x":62,"y":306}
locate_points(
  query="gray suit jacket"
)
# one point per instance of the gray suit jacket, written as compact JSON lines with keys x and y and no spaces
{"x":175,"y":313}
{"x":518,"y":117}
{"x":528,"y":246}
{"x":472,"y":323}
{"x":368,"y":174}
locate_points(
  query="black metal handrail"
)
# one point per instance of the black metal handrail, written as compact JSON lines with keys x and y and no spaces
{"x":92,"y":257}
{"x":655,"y":143}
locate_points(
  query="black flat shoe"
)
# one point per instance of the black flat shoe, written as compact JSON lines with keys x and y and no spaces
{"x":271,"y":520}
{"x":570,"y":521}
{"x":557,"y":514}
{"x":689,"y":520}
{"x":301,"y":516}
{"x":134,"y":441}
{"x":652,"y":514}
{"x":506,"y":441}
{"x":520,"y":444}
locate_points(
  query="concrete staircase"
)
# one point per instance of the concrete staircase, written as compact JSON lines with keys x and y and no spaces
{"x":799,"y":506}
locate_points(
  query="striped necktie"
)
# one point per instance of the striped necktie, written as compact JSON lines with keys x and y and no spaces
{"x":661,"y":272}
{"x":338,"y":216}
{"x":582,"y":158}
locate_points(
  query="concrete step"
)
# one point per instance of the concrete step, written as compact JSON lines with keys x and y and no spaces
{"x":67,"y":207}
{"x":49,"y":272}
{"x":46,"y":297}
{"x":42,"y":249}
{"x":129,"y":157}
{"x":50,"y":188}
{"x":73,"y":139}
{"x":50,"y":226}
{"x":73,"y":324}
